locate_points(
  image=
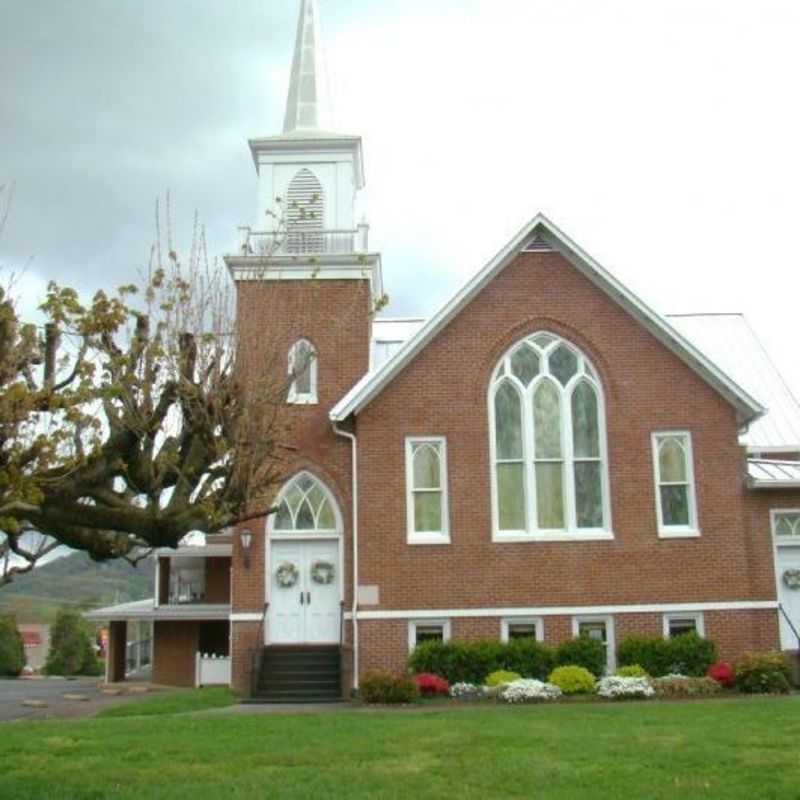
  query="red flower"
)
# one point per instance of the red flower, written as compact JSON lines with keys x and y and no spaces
{"x":427,"y":683}
{"x":722,"y":672}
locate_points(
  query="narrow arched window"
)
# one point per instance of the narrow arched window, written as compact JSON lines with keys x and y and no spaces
{"x":305,"y":214}
{"x":549,"y":473}
{"x":303,"y":368}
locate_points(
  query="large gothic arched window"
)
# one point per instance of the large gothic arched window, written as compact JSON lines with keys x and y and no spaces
{"x":549,"y":465}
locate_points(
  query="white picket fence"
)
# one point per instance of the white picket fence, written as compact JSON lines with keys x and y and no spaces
{"x":212,"y":670}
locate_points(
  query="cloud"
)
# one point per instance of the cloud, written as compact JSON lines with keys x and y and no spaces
{"x":660,"y":135}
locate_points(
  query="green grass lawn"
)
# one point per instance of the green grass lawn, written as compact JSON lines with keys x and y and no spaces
{"x":172,"y":703}
{"x":746,"y":748}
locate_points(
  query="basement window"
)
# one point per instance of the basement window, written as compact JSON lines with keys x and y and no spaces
{"x":522,"y":628}
{"x":682,"y":623}
{"x":421,"y":631}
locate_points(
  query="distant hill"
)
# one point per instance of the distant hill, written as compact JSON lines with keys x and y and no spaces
{"x":75,"y":580}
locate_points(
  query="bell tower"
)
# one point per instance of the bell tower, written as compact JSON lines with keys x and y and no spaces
{"x":308,"y":179}
{"x":305,"y":276}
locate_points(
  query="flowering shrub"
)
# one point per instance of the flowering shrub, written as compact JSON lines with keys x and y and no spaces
{"x":685,"y":686}
{"x":573,"y":680}
{"x":429,"y":684}
{"x":763,"y":673}
{"x":378,"y":686}
{"x":501,"y":677}
{"x":632,"y":671}
{"x":527,"y":690}
{"x":722,"y":672}
{"x":467,"y":691}
{"x":616,"y":687}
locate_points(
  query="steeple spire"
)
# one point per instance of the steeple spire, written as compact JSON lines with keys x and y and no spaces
{"x":308,"y":106}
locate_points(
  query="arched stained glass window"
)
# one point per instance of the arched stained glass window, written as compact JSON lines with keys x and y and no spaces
{"x":304,"y":505}
{"x":548,"y":441}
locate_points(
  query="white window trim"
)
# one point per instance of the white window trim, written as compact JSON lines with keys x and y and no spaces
{"x":611,"y":639}
{"x":572,"y":532}
{"x":507,"y":622}
{"x":697,"y":616}
{"x":692,"y":530}
{"x":307,"y":398}
{"x":427,"y":537}
{"x":427,"y":623}
{"x":783,"y":541}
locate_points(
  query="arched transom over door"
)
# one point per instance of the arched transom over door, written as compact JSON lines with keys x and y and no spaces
{"x":548,"y":443}
{"x":304,"y":566}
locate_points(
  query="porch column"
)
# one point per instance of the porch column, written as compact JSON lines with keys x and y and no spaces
{"x":117,"y":643}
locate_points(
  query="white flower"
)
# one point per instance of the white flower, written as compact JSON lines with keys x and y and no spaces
{"x":614,"y":687}
{"x":528,"y":691}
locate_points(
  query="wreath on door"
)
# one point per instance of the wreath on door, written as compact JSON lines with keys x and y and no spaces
{"x":323,"y":573}
{"x":791,"y":579}
{"x":286,"y":575}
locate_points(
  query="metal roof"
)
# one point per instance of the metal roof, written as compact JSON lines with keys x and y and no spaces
{"x":541,"y":228}
{"x":729,"y":341}
{"x":388,"y":336}
{"x":764,"y":473}
{"x":146,"y":610}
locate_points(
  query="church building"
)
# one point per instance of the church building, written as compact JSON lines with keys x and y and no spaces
{"x":546,"y":456}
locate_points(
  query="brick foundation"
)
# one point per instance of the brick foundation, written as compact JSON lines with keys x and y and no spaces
{"x":384,"y":643}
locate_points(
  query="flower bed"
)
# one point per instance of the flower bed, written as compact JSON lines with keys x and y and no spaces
{"x":618,"y":687}
{"x":528,"y":690}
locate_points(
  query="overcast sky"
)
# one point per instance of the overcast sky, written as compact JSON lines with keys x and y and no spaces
{"x":664,"y":137}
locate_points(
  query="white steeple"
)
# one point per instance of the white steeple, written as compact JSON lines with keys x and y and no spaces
{"x":308,"y":106}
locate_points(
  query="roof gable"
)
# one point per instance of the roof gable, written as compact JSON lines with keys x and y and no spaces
{"x":539,"y":233}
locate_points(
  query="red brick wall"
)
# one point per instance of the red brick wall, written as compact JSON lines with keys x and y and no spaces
{"x":335,"y":316}
{"x":218,"y":580}
{"x":244,"y":640}
{"x":444,"y":392}
{"x":174,"y":653}
{"x":384,"y":643}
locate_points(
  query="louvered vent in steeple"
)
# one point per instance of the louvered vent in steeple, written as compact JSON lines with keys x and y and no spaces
{"x":305,"y":214}
{"x":537,"y":245}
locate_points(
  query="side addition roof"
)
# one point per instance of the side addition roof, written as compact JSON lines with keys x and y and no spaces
{"x":768,"y":474}
{"x":538,"y":233}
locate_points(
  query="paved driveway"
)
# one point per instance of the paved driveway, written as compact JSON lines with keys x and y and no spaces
{"x":52,"y":691}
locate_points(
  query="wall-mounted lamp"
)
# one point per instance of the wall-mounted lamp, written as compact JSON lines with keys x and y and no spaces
{"x":246,"y":539}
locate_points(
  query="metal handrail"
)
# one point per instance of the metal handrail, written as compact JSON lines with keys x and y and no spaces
{"x":341,"y":624}
{"x":791,"y":624}
{"x":254,"y":662}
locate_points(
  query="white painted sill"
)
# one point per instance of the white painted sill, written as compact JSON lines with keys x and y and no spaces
{"x":427,"y":539}
{"x":582,"y":536}
{"x":303,"y":400}
{"x":679,"y":533}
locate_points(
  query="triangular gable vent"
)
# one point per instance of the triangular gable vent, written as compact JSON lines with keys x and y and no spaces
{"x":537,"y":245}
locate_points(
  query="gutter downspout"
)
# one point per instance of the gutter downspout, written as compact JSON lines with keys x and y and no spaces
{"x":354,"y":447}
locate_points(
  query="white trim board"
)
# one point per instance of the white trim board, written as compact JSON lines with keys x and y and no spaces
{"x":747,"y":407}
{"x":552,"y":611}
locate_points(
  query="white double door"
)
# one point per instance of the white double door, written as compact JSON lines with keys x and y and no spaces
{"x":308,"y":611}
{"x":788,"y":558}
